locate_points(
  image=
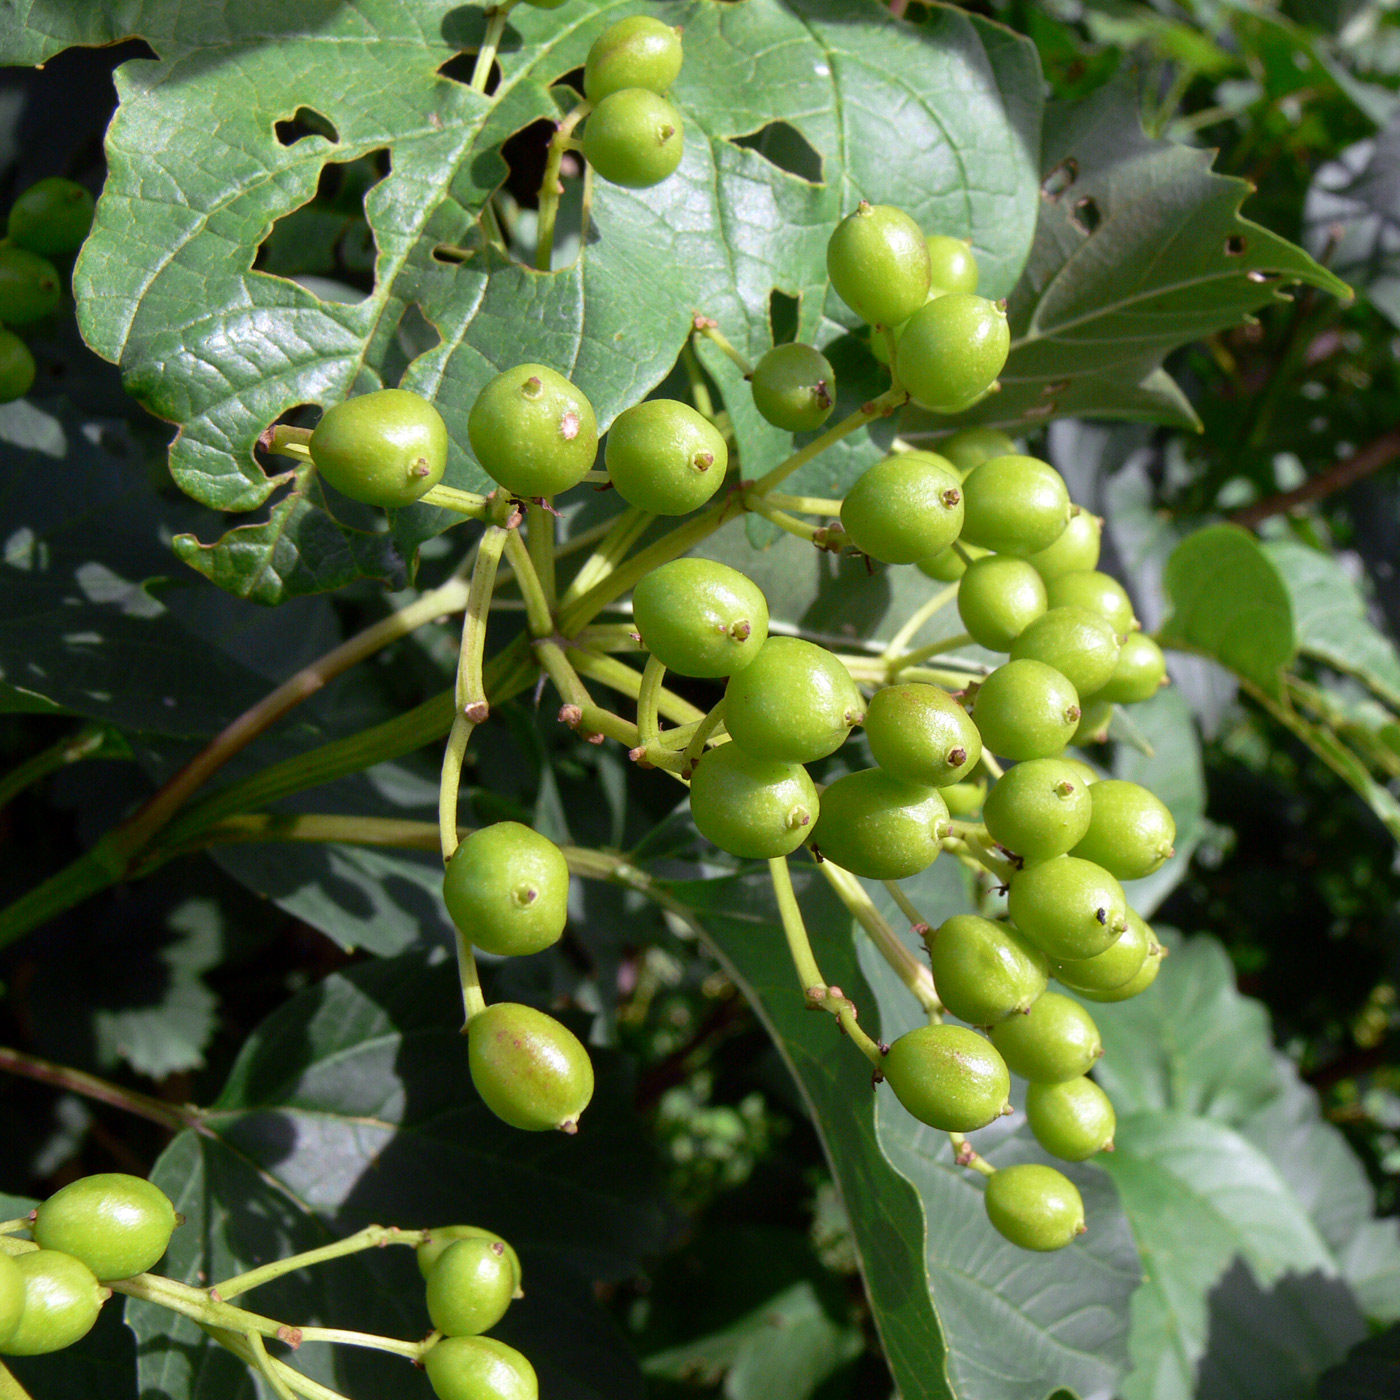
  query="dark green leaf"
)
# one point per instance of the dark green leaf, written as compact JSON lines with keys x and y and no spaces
{"x":1370,"y":1372}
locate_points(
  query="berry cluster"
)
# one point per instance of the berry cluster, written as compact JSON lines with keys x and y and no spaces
{"x":49,"y":220}
{"x":1020,"y":560}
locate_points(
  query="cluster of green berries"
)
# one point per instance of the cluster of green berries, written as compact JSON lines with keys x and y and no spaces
{"x":94,"y":1230}
{"x":49,"y":220}
{"x":471,"y":1277}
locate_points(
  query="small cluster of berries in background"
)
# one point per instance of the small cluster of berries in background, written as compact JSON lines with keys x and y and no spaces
{"x":47,"y":223}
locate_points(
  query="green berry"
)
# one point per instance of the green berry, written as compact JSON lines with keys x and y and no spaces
{"x":1134,"y":986}
{"x":17,"y":368}
{"x":948,"y":1077}
{"x":1096,"y":592}
{"x":530,"y":1071}
{"x":1026,"y":709}
{"x":29,"y":286}
{"x":634,"y":138}
{"x":1115,"y":967}
{"x":1141,"y":669}
{"x":1073,"y":1120}
{"x":1089,"y":775}
{"x":965,"y":799}
{"x":700,"y":618}
{"x":951,"y":352}
{"x":952,"y":268}
{"x":970,"y":447}
{"x":985,"y":971}
{"x":639,"y":52}
{"x":755,"y":808}
{"x":795,"y":702}
{"x":1015,"y":505}
{"x":61,"y":1301}
{"x":11,"y":1297}
{"x":533,"y":431}
{"x":921,"y":734}
{"x":1079,"y":644}
{"x":878,"y":263}
{"x":998,"y":599}
{"x":1093,"y":722}
{"x":118,"y":1225}
{"x":1131,"y":830}
{"x":880,"y":827}
{"x":1069,"y":907}
{"x":51,"y":218}
{"x":479,"y":1368}
{"x":1039,"y":809}
{"x":1055,"y":1040}
{"x":794,"y":388}
{"x":470,"y":1287}
{"x":664,"y":457}
{"x":1076,"y":550}
{"x":385,"y":449}
{"x":440,"y":1236}
{"x":904,"y":509}
{"x":948,"y":565}
{"x":507,"y":889}
{"x":1034,"y":1207}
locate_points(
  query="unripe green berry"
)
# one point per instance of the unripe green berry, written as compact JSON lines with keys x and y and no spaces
{"x":948,"y":1077}
{"x":51,"y":218}
{"x":880,"y":827}
{"x":11,"y":1297}
{"x":968,"y":448}
{"x":118,"y":1225}
{"x":530,"y":1071}
{"x":664,"y":457}
{"x":985,"y":971}
{"x":700,"y":618}
{"x":440,"y":1236}
{"x":1025,"y":709}
{"x":1034,"y":1206}
{"x":921,"y":734}
{"x":998,"y":598}
{"x":755,"y":808}
{"x":638,"y":52}
{"x":1039,"y":809}
{"x":533,"y":431}
{"x":1075,"y":551}
{"x":952,"y":267}
{"x":634,"y":138}
{"x":904,"y":508}
{"x":951,"y":351}
{"x":965,"y":799}
{"x":1146,"y":975}
{"x":1085,"y":771}
{"x":1055,"y":1040}
{"x":1096,"y":592}
{"x":385,"y":448}
{"x":1070,"y":907}
{"x":1131,"y":830}
{"x":948,"y":565}
{"x":1079,"y":644}
{"x":29,"y":286}
{"x":479,"y":1368}
{"x":878,"y":263}
{"x":507,"y":889}
{"x":1015,"y":505}
{"x":62,"y":1298}
{"x":470,"y":1287}
{"x":1140,"y":671}
{"x":794,"y":387}
{"x":1094,"y":719}
{"x":17,"y":368}
{"x":795,"y":702}
{"x":1073,"y":1120}
{"x":1115,"y":967}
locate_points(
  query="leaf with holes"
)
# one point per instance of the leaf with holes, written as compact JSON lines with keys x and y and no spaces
{"x":1140,"y":247}
{"x":939,"y":116}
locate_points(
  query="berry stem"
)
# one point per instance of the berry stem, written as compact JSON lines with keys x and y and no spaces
{"x":196,"y":1303}
{"x":585,"y":212}
{"x":992,"y":766}
{"x":283,"y":440}
{"x":699,"y":389}
{"x":805,"y":505}
{"x":371,"y":1237}
{"x":262,"y":1362}
{"x":299,"y":1384}
{"x":71,"y":749}
{"x":622,"y":534}
{"x":916,"y":620}
{"x":13,"y":1227}
{"x":648,"y":694}
{"x":620,"y":637}
{"x":369,"y":1340}
{"x":624,"y":679}
{"x":10,"y":1388}
{"x":560,"y":670}
{"x":711,"y":331}
{"x":890,"y":400}
{"x":818,"y":535}
{"x":551,"y":187}
{"x":971,"y":846}
{"x":892,"y":351}
{"x":466,"y":503}
{"x":486,"y":55}
{"x":539,"y":535}
{"x":906,"y":905}
{"x":701,"y":737}
{"x":76,"y":1081}
{"x":538,"y":616}
{"x":965,"y":1156}
{"x":889,"y":944}
{"x":912,"y":658}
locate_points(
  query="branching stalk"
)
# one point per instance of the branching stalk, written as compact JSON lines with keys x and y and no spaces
{"x":551,"y":187}
{"x":371,"y":1237}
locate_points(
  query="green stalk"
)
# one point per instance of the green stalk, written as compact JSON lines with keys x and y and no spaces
{"x":294,"y":1380}
{"x":263,"y":1362}
{"x":540,"y":534}
{"x":539,"y":617}
{"x":10,"y":1388}
{"x":916,"y":620}
{"x":551,"y":187}
{"x":890,"y":400}
{"x":486,"y":55}
{"x":71,"y":749}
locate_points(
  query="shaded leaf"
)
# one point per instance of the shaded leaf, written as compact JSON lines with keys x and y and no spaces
{"x":1370,"y":1372}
